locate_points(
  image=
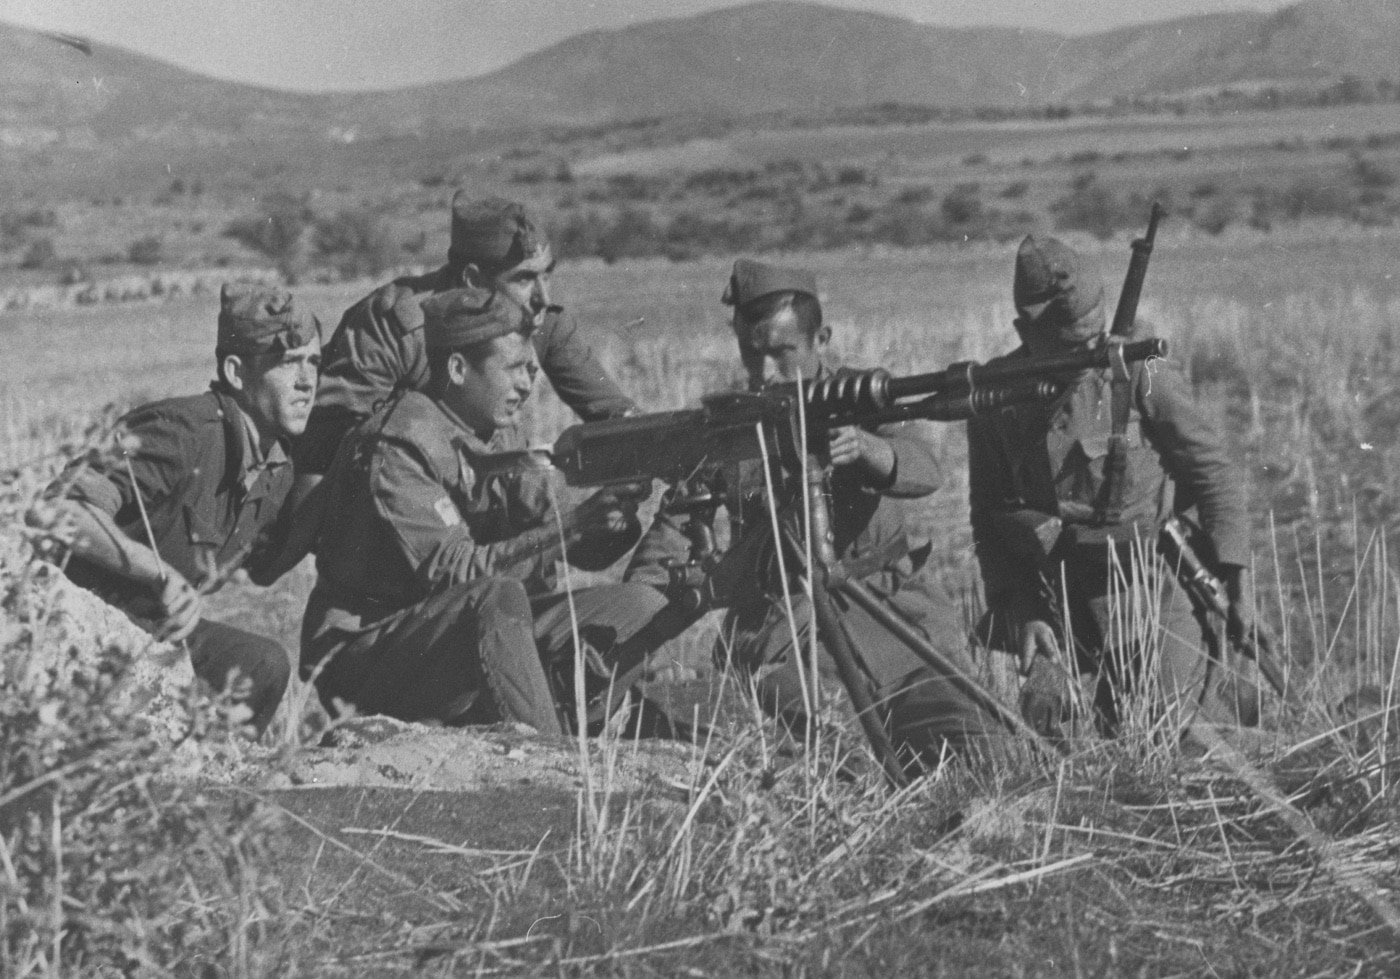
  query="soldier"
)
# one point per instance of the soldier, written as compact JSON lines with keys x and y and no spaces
{"x":879,"y":472}
{"x":427,"y":606}
{"x":1061,"y":492}
{"x":198,"y":490}
{"x":378,"y":346}
{"x":377,"y":350}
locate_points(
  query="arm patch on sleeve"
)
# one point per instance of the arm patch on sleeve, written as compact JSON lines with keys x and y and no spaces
{"x":447,"y":510}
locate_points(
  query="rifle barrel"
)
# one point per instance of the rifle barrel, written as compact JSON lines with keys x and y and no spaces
{"x":1125,"y":314}
{"x":970,"y":376}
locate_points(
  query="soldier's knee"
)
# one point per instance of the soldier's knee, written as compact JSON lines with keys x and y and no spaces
{"x":931,"y":720}
{"x":641,"y":602}
{"x":500,"y":596}
{"x":277,"y":669}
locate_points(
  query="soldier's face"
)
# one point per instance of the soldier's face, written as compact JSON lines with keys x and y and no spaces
{"x":528,"y":283}
{"x":777,"y":349}
{"x":277,"y":389}
{"x":490,"y":386}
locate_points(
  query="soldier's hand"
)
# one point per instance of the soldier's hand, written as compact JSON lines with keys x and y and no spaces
{"x":608,"y":512}
{"x":851,"y":444}
{"x":1037,"y":641}
{"x":1045,"y":698}
{"x":606,"y":528}
{"x":1239,"y":591}
{"x":845,"y":445}
{"x":180,"y":608}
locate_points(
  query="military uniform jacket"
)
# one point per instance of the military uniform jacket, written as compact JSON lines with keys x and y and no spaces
{"x":212,"y":506}
{"x":410,"y":513}
{"x":879,"y":532}
{"x":1050,"y":458}
{"x":378,"y":346}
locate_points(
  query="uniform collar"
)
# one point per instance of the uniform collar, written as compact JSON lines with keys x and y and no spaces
{"x":253,"y":455}
{"x":473,"y":442}
{"x":243,"y":438}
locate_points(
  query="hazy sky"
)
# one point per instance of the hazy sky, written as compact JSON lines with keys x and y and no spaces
{"x":340,"y":44}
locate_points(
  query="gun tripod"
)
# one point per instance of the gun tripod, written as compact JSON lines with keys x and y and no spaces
{"x":710,"y":579}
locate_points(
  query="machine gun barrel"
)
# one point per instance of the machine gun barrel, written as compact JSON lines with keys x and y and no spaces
{"x":970,"y":376}
{"x":954,"y":406}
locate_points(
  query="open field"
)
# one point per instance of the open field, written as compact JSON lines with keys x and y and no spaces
{"x":946,"y":146}
{"x":1287,"y":333}
{"x":625,"y":192}
{"x":1124,"y":859}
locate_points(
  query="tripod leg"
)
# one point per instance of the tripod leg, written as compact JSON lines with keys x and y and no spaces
{"x":859,"y":595}
{"x":833,"y":636}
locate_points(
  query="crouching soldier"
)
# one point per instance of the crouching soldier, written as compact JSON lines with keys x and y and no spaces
{"x":1063,"y":492}
{"x":879,"y":475}
{"x":427,"y":605}
{"x":377,"y":350}
{"x":197,"y":490}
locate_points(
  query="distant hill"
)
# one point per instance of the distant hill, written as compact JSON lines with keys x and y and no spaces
{"x":1313,"y":41}
{"x":51,"y":91}
{"x":765,"y":57}
{"x":772,"y":56}
{"x":801,"y":57}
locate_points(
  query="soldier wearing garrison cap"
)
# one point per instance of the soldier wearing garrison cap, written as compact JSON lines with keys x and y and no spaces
{"x":1054,"y":519}
{"x":378,"y":350}
{"x":429,"y":603}
{"x":196,"y":489}
{"x":881,"y":474}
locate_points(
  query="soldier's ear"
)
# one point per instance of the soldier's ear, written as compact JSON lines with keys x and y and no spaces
{"x":233,"y":372}
{"x":470,"y":275}
{"x":822,"y":338}
{"x":456,"y":367}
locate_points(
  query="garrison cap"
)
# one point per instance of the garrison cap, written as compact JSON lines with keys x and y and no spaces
{"x":466,"y":317}
{"x":752,"y":280}
{"x":1057,"y":289}
{"x":256,"y":319}
{"x":492,"y":233}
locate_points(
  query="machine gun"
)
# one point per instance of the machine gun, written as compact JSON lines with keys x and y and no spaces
{"x":676,"y":446}
{"x":698,"y":451}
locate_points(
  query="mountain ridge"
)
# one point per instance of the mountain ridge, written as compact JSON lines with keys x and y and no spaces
{"x":771,"y":56}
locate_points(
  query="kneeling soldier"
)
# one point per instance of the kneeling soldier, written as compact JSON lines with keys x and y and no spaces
{"x":1061,"y":494}
{"x":199,"y":493}
{"x":426,"y":606}
{"x":879,"y":471}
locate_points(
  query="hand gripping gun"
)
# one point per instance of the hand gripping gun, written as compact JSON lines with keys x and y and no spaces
{"x":1207,"y":595}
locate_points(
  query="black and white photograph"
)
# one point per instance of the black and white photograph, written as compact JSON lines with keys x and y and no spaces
{"x":699,"y":488}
